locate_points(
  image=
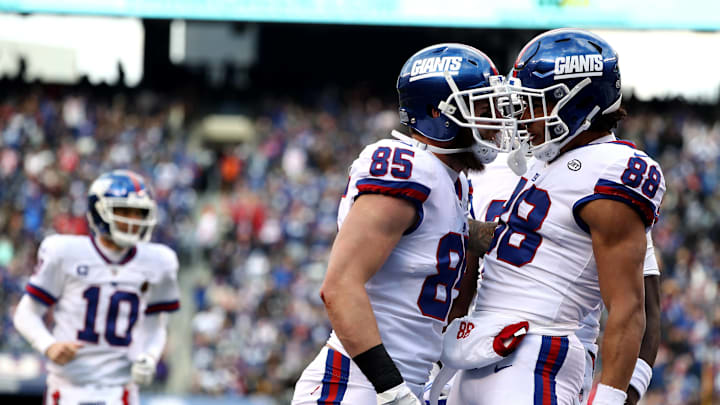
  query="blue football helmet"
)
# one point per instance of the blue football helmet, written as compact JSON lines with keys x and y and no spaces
{"x":573,"y":76}
{"x":453,"y":79}
{"x":121,"y":189}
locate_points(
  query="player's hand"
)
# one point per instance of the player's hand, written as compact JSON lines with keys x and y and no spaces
{"x":62,"y":352}
{"x":398,"y":395}
{"x":143,"y":369}
{"x":481,"y":234}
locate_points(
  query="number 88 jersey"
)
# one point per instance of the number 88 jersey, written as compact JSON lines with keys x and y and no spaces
{"x":411,"y":294}
{"x":540,"y":265}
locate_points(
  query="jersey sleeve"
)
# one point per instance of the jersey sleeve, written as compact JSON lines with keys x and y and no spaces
{"x":47,"y":281}
{"x":394,"y":170}
{"x":650,"y":268}
{"x":633,"y":179}
{"x":164,"y":293}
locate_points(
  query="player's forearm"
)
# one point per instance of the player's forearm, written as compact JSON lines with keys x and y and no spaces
{"x":28,"y":321}
{"x":468,"y":288}
{"x":651,"y":338}
{"x":480,"y":234}
{"x":154,"y":334}
{"x":621,"y":344}
{"x":348,"y":307}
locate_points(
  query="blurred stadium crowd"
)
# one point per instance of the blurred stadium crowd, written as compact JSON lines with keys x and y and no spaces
{"x":256,"y":220}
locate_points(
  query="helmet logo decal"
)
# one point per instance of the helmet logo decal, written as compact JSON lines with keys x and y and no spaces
{"x":578,"y":66}
{"x":434,"y":67}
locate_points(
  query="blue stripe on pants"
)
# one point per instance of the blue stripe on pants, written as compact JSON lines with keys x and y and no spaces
{"x":334,"y":382}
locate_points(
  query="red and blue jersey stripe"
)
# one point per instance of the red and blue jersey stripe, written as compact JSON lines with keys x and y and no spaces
{"x":334,"y":382}
{"x":168,"y":306}
{"x":552,"y":356}
{"x":645,"y":208}
{"x":414,"y":192}
{"x":606,"y":189}
{"x":40,"y":294}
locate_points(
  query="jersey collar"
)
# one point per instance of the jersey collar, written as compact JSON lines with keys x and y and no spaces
{"x":124,"y":259}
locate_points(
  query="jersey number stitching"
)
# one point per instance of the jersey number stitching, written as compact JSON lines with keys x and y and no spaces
{"x":401,"y":168}
{"x":92,"y":295}
{"x":635,"y":172}
{"x":521,"y":249}
{"x":447,"y":276}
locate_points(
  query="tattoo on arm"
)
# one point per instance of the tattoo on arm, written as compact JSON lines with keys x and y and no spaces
{"x":481,"y":234}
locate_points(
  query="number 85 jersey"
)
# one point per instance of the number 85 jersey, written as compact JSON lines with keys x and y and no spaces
{"x":540,"y":265}
{"x":411,"y":294}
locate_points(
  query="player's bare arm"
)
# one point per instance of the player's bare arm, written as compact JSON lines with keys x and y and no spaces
{"x":619,"y":244}
{"x":651,"y":339}
{"x":371,"y":230}
{"x":468,"y":285}
{"x":481,"y":234}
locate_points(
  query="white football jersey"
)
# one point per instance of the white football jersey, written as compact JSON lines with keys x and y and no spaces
{"x":541,"y":266}
{"x":411,"y":294}
{"x":491,"y":187}
{"x":99,"y":303}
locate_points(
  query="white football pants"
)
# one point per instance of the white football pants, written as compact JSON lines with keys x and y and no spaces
{"x":544,"y":370}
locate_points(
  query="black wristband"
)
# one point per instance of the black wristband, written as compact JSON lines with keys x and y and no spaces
{"x":379,"y":368}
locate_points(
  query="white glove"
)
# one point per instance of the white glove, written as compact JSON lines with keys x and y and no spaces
{"x":398,"y":395}
{"x":143,"y":369}
{"x":478,"y":341}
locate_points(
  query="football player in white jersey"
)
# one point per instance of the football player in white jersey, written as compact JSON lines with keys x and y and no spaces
{"x":497,"y":182}
{"x":109,"y":293}
{"x":399,"y":254}
{"x":572,"y":235}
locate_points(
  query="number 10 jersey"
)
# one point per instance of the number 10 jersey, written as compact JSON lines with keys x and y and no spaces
{"x":99,"y":303}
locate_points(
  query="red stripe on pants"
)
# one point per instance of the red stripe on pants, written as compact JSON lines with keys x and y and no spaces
{"x":547,"y":369}
{"x":335,"y":380}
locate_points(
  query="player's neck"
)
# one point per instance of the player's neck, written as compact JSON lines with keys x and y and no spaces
{"x":110,"y":247}
{"x":448,"y":160}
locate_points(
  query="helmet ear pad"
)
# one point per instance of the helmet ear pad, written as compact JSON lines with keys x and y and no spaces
{"x":431,"y":123}
{"x":97,"y":224}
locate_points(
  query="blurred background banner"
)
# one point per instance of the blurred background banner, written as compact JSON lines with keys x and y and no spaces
{"x":638,"y":14}
{"x":245,"y":117}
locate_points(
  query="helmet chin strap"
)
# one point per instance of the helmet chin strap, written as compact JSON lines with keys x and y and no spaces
{"x":516,"y":160}
{"x":484,"y":154}
{"x":434,"y":149}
